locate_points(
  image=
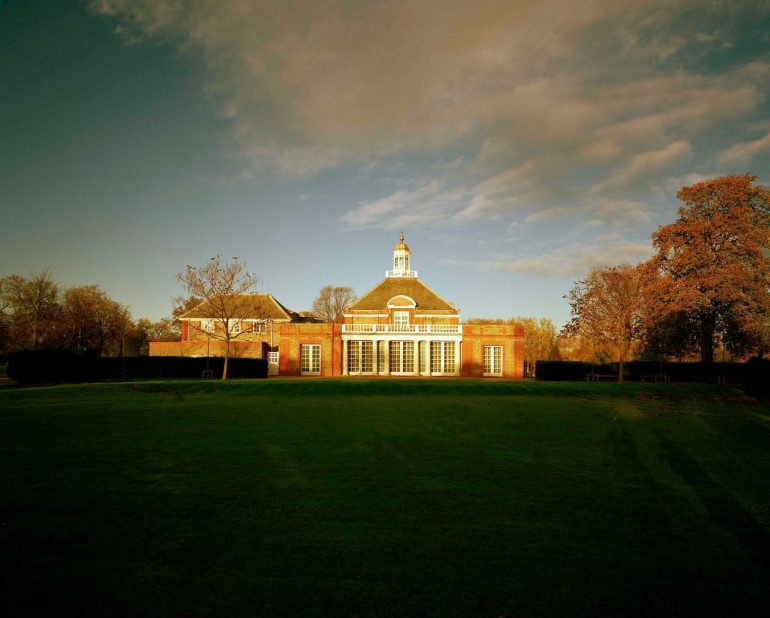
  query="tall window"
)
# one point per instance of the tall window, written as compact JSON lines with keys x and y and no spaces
{"x":401,"y":321}
{"x":402,"y":357}
{"x":442,"y":357}
{"x":395,"y":356}
{"x":493,"y":360}
{"x":360,"y":356}
{"x":310,"y":359}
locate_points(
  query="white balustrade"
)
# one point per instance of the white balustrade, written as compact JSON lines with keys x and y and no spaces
{"x":402,"y":328}
{"x":404,"y":274}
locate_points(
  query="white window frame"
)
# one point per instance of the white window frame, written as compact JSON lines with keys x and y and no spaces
{"x":360,"y":357}
{"x":402,"y":357}
{"x":443,"y":358}
{"x":492,"y":360}
{"x":401,"y":321}
{"x":235,"y":328}
{"x":259,"y":327}
{"x":207,"y":326}
{"x":310,"y":359}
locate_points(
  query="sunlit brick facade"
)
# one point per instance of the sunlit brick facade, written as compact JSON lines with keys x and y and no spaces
{"x":398,"y":328}
{"x":402,"y":328}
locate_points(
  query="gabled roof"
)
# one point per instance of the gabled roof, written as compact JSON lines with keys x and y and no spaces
{"x":248,"y":307}
{"x":377,"y":298}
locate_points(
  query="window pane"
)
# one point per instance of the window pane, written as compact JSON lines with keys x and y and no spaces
{"x":408,"y":356}
{"x":449,"y":357}
{"x":310,"y":358}
{"x":435,"y":357}
{"x":395,"y":357}
{"x":401,"y":321}
{"x":366,"y":356}
{"x":316,"y":358}
{"x":493,"y":359}
{"x":354,"y":359}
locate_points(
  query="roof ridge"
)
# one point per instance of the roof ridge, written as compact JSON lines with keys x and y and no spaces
{"x":395,"y":286}
{"x":441,"y":298}
{"x":286,"y":311}
{"x":363,"y":296}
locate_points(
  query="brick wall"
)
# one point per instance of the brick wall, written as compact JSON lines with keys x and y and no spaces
{"x":238,"y":349}
{"x":328,"y":336}
{"x":476,"y":336}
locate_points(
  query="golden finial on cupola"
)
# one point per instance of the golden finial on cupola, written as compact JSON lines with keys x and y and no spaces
{"x":401,"y":245}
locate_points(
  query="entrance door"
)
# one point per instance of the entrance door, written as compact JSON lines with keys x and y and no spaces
{"x":272,"y":363}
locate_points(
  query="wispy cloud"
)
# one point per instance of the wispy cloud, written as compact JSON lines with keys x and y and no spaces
{"x":642,"y":166}
{"x":311,"y":86}
{"x":574,"y":261}
{"x":519,"y":112}
{"x":426,"y":204}
{"x":743,"y":152}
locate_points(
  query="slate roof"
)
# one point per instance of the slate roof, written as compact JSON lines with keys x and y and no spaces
{"x":249,"y":306}
{"x":377,"y":298}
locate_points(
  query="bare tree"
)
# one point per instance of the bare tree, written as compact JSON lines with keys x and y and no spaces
{"x":607,"y":310}
{"x":333,"y":302}
{"x":93,"y":321}
{"x":33,"y":304}
{"x":540,"y":341}
{"x":218,"y":284}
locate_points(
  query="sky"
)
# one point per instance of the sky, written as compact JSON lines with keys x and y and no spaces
{"x":516,"y":144}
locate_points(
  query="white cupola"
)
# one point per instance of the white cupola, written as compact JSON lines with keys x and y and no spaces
{"x":401,"y":260}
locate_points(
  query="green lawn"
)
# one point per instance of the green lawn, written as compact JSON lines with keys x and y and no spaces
{"x":384,"y":498}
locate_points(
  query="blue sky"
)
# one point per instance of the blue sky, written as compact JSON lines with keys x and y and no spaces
{"x":516,"y":144}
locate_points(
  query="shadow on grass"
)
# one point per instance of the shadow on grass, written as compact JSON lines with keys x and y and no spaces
{"x":721,"y":506}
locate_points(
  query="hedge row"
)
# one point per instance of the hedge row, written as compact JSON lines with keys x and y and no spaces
{"x":639,"y":370}
{"x":62,"y":366}
{"x":758,"y":376}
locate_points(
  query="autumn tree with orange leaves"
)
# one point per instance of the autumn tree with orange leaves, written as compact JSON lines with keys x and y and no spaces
{"x":712,"y":265}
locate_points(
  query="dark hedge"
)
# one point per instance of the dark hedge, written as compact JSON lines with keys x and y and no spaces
{"x":758,"y":376}
{"x":63,"y":366}
{"x":638,"y":370}
{"x":52,"y":366}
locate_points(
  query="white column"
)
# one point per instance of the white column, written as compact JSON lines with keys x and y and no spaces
{"x":386,"y":368}
{"x":344,"y":357}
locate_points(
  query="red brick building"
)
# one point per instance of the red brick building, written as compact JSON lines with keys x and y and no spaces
{"x":402,"y":328}
{"x":398,"y":328}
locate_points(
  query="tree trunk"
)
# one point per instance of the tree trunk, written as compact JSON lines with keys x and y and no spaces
{"x":708,"y":326}
{"x":625,"y":346}
{"x":227,"y":359}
